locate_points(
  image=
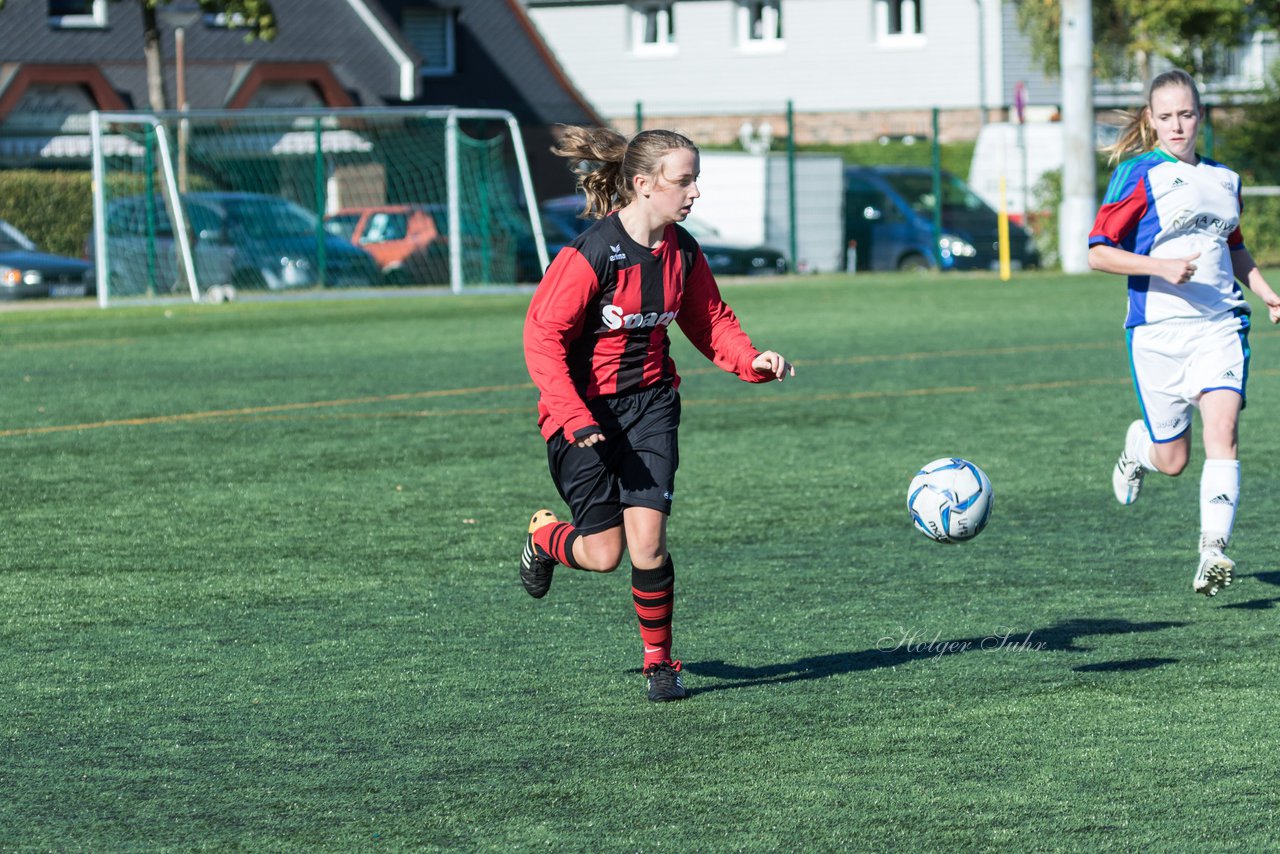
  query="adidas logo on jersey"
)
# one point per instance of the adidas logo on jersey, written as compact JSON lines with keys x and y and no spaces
{"x":1177,"y":182}
{"x":1229,"y":375}
{"x":1221,"y":499}
{"x":613,"y":318}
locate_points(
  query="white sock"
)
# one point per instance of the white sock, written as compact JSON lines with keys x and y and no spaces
{"x":1141,"y":450}
{"x":1219,"y":495}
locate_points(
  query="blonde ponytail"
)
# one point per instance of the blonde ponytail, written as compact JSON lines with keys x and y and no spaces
{"x":1137,"y":136}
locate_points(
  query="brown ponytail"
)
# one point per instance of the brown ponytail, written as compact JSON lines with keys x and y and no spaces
{"x":606,"y":163}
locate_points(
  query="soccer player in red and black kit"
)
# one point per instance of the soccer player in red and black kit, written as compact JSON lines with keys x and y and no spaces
{"x":595,"y":342}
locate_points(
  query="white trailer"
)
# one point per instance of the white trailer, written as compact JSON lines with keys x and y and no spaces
{"x":745,"y":198}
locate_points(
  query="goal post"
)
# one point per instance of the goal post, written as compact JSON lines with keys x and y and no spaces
{"x":209,"y":203}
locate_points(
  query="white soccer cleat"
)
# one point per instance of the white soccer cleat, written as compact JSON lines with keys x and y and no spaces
{"x":1215,"y":572}
{"x":1126,"y":479}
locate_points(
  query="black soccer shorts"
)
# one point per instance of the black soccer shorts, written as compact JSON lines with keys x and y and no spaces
{"x":635,"y":465}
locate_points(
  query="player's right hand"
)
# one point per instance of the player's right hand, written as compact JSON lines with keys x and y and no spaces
{"x":589,"y":440}
{"x":1179,"y":270}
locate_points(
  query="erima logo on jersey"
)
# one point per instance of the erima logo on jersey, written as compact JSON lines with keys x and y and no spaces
{"x":618,"y":254}
{"x":613,"y":318}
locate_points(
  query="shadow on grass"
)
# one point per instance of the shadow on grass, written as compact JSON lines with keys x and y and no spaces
{"x":1259,"y":604}
{"x":908,"y":645}
{"x":1121,"y":666}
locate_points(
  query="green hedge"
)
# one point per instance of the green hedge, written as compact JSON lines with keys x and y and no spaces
{"x":1261,"y":227}
{"x":956,"y":157}
{"x":55,"y":209}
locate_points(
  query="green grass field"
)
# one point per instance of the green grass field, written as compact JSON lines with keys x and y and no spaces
{"x":259,"y":590}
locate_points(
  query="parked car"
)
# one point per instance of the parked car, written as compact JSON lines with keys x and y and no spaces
{"x":411,"y":242}
{"x":889,"y":214}
{"x":726,"y":258}
{"x":249,"y":240}
{"x":408,"y":243}
{"x":25,"y":271}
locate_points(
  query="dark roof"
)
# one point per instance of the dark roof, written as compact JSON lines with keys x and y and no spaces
{"x":325,"y":31}
{"x":502,"y":63}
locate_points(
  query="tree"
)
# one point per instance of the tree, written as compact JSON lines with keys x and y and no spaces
{"x":1194,"y":35}
{"x":256,"y":16}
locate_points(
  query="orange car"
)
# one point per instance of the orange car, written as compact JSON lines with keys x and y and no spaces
{"x":403,"y":239}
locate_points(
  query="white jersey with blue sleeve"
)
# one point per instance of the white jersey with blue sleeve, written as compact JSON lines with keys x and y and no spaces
{"x":1163,"y":207}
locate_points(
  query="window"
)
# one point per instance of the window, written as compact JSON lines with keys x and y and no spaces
{"x":12,"y":240}
{"x":52,"y":108}
{"x":760,"y":24}
{"x":342,"y":225}
{"x":77,"y":13}
{"x":653,"y":28}
{"x":899,"y":21}
{"x":286,"y":95}
{"x":430,"y":31}
{"x":386,"y":226}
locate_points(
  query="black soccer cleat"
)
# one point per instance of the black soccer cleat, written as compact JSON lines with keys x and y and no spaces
{"x":665,"y":683}
{"x":536,"y":565}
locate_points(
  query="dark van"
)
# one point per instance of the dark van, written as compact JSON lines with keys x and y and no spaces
{"x":888,"y":213}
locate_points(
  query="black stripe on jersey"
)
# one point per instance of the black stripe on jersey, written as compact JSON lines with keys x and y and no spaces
{"x":637,"y":352}
{"x":652,"y":300}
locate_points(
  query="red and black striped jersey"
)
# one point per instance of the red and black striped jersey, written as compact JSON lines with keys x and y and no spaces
{"x":598,"y":322}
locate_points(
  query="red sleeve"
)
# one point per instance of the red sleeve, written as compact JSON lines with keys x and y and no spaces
{"x":1120,"y":215}
{"x":712,"y":326}
{"x":1235,"y":240}
{"x":555,"y":320}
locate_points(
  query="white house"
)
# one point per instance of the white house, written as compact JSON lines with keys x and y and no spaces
{"x":850,"y":69}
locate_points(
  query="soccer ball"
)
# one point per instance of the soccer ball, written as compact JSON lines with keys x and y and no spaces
{"x":950,"y":500}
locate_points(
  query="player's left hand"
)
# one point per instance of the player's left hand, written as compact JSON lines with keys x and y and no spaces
{"x":773,"y":363}
{"x":1272,"y":301}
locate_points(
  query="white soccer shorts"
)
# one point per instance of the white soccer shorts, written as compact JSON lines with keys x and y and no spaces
{"x":1176,"y":361}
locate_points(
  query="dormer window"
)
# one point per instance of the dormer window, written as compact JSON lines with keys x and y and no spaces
{"x":653,"y":28}
{"x":78,"y":14}
{"x":760,"y":24}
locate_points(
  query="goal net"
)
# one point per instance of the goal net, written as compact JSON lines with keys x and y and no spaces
{"x":211,"y":203}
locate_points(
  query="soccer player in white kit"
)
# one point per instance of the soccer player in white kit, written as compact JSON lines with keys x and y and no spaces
{"x":1171,"y":223}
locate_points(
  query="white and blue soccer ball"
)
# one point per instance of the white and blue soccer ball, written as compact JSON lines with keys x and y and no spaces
{"x":950,"y":500}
